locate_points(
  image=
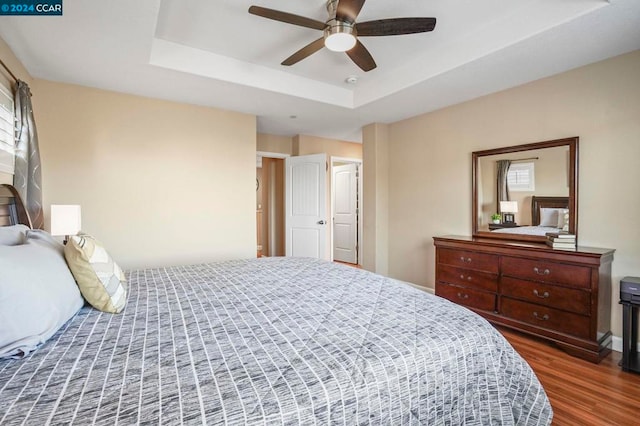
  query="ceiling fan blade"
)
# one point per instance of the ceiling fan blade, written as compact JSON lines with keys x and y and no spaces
{"x":288,"y":18}
{"x":348,"y":10}
{"x":361,"y":56}
{"x":395,"y":26}
{"x":308,"y":50}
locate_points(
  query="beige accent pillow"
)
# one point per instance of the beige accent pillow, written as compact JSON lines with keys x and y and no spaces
{"x":100,"y":279}
{"x":563,"y":219}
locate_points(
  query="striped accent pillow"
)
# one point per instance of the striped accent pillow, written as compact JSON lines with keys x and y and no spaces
{"x":99,"y":278}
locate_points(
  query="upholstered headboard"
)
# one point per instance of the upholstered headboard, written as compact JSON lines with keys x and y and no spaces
{"x":538,"y":203}
{"x":12,"y":209}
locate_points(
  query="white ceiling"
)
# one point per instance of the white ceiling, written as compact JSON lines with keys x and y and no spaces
{"x":214,"y":53}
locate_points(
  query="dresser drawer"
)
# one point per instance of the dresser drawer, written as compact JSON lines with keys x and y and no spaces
{"x":469,"y":260}
{"x":578,"y":301}
{"x":541,"y":316}
{"x":467,"y":297}
{"x":468,"y":278}
{"x":551,"y":272}
{"x":562,"y":296}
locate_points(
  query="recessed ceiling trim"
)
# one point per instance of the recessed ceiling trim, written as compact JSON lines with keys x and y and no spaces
{"x":190,"y":60}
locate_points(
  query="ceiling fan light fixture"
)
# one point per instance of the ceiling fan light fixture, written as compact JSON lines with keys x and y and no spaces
{"x":339,"y":36}
{"x":340,"y":42}
{"x":340,"y":31}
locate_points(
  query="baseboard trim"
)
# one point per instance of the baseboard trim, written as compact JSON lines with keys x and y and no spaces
{"x":616,"y":344}
{"x":419,"y":287}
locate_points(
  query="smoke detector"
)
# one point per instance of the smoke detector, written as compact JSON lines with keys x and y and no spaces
{"x":352,"y":79}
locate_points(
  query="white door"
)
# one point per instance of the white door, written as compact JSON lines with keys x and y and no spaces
{"x":306,"y":206}
{"x":345,"y":213}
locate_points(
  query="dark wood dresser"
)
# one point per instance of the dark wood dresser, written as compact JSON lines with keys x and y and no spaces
{"x":561,"y":296}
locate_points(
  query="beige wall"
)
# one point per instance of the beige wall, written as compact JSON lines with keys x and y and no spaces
{"x":375,"y":241}
{"x":274,"y":143}
{"x":160,"y":183}
{"x":430,"y":163}
{"x":307,"y":145}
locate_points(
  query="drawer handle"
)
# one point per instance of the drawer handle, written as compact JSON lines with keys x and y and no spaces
{"x":543,"y":296}
{"x":463,"y":296}
{"x":541,"y":318}
{"x":468,"y":278}
{"x":539,"y":272}
{"x":467,"y":260}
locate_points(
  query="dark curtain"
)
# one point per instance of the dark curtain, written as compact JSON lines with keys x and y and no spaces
{"x":28,"y":177}
{"x":503,"y":188}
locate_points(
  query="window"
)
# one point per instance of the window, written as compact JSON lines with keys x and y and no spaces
{"x":7,"y":131}
{"x":521,"y":177}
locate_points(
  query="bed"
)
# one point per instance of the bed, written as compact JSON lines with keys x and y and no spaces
{"x":273,"y":341}
{"x":540,"y":207}
{"x":12,"y":210}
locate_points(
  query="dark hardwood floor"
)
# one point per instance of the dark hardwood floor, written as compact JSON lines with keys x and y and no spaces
{"x":581,"y":393}
{"x":353,"y":265}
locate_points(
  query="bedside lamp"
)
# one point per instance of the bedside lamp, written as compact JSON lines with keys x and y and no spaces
{"x":66,"y":219}
{"x":508,"y":208}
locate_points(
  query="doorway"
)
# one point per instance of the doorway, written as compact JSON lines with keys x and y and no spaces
{"x":346,"y":210}
{"x":270,"y":204}
{"x":307,"y":206}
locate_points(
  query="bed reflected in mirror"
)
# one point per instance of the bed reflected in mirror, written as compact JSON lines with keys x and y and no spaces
{"x":523,"y":192}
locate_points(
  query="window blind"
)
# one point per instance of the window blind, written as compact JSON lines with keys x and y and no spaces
{"x":521,"y":177}
{"x":7,"y":131}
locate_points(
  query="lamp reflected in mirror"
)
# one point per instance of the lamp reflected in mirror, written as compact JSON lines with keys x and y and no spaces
{"x":508,"y":210}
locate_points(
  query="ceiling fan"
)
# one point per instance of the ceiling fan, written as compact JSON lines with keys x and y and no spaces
{"x":341,"y":31}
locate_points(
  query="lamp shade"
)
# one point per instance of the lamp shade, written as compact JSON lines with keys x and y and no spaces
{"x":66,"y":219}
{"x":509,"y":206}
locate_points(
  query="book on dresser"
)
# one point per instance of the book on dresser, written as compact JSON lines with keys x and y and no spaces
{"x":561,"y":240}
{"x":560,"y":246}
{"x":569,"y":244}
{"x":560,"y":237}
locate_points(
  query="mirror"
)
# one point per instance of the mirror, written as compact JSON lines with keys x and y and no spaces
{"x":529,"y":189}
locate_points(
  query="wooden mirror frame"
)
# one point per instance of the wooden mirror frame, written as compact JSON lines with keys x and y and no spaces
{"x":572,"y":143}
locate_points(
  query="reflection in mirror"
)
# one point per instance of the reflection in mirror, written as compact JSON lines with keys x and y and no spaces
{"x":525,"y":191}
{"x":542,"y":172}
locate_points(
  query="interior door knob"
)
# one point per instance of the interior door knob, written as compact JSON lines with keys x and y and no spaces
{"x":321,"y":222}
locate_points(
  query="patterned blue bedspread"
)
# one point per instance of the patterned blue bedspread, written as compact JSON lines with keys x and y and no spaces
{"x":273,"y":341}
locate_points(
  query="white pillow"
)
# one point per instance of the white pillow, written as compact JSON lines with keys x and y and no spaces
{"x":548,"y":217}
{"x":563,"y":219}
{"x":37,"y":293}
{"x":13,"y":235}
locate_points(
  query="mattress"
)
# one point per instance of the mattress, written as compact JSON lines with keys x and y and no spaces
{"x":273,"y":341}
